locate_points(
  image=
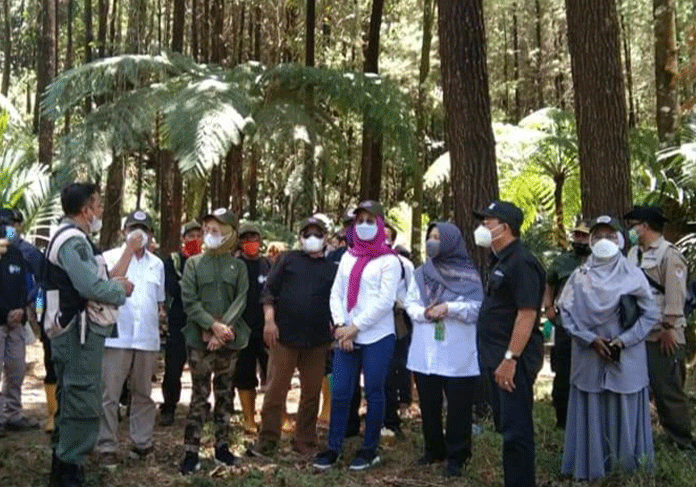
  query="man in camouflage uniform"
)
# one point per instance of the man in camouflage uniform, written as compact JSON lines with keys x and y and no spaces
{"x":666,"y":270}
{"x":213,"y":289}
{"x":559,"y":272}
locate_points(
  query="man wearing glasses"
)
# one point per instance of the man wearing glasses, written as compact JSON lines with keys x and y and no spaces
{"x":297,"y":331}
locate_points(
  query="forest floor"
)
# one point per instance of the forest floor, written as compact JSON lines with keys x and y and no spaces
{"x":25,"y":457}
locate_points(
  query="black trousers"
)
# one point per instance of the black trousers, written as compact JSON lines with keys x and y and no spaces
{"x":397,"y":389}
{"x":455,"y":443}
{"x":51,"y":377}
{"x":560,"y":364}
{"x":512,"y":413}
{"x":245,"y":373}
{"x":174,"y":360}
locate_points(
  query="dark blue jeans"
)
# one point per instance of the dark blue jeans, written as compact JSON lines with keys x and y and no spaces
{"x":374,"y":361}
{"x":512,"y":413}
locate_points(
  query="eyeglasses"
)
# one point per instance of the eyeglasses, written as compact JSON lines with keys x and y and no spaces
{"x":313,"y":234}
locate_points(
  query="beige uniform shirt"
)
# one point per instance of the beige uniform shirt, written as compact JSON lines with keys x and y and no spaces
{"x":663,"y":262}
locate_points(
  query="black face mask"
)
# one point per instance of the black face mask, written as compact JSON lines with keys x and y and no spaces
{"x":581,"y":249}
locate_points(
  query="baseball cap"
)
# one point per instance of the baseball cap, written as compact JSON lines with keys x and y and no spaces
{"x":188,"y":226}
{"x":138,"y":217}
{"x":651,"y":214}
{"x":348,"y":216}
{"x":248,"y":227}
{"x":224,"y":216}
{"x":505,"y":212}
{"x":7,"y":216}
{"x":583,"y":226}
{"x":371,"y":206}
{"x":606,"y":220}
{"x":312,"y":221}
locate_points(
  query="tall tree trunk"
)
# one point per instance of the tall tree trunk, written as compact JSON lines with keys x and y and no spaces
{"x":600,"y":107}
{"x":89,"y":33}
{"x":205,"y":35}
{"x":421,"y":122}
{"x":194,"y":30}
{"x":45,"y":70}
{"x":56,"y":39}
{"x":217,"y":14}
{"x":626,"y":35}
{"x":115,"y":14}
{"x":103,"y":25}
{"x":178,"y":26}
{"x":539,"y":55}
{"x":666,"y":69}
{"x":559,"y":79}
{"x":308,"y":197}
{"x":506,"y":69}
{"x":559,"y":181}
{"x":240,"y":30}
{"x":516,"y":63}
{"x":468,"y":128}
{"x":6,"y":66}
{"x":253,"y":181}
{"x":234,"y":166}
{"x":137,"y":22}
{"x":69,"y":54}
{"x":371,"y":162}
{"x":113,"y":202}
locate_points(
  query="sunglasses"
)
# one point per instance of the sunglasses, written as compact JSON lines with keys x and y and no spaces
{"x":313,"y":234}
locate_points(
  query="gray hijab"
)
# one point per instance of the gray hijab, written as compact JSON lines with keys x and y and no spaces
{"x":451,"y":273}
{"x":591,"y":295}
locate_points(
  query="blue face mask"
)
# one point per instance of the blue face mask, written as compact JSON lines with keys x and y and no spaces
{"x":10,"y":233}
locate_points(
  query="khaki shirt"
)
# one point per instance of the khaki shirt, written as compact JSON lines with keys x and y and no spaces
{"x":663,"y":262}
{"x":214,"y":288}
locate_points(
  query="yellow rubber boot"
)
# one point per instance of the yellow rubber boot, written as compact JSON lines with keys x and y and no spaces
{"x":248,"y":399}
{"x":51,"y":405}
{"x":325,"y":413}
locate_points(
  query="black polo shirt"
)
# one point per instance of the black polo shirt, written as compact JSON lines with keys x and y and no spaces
{"x":516,"y":281}
{"x":300,"y":287}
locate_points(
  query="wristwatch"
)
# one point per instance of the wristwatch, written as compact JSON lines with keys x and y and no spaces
{"x":511,"y":356}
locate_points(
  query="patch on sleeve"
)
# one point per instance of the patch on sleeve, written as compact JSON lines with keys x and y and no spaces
{"x":82,"y":250}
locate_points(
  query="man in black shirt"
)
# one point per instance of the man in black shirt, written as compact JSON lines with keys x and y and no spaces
{"x":245,"y":379}
{"x":509,"y":341}
{"x":298,"y":332}
{"x":175,"y":348}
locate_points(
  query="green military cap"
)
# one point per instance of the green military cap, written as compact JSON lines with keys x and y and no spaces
{"x":224,"y":216}
{"x":312,"y":221}
{"x":189,"y":226}
{"x":138,"y":217}
{"x":606,"y":220}
{"x":248,"y":227}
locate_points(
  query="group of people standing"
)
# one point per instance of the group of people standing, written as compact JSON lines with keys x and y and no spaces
{"x":363,"y":309}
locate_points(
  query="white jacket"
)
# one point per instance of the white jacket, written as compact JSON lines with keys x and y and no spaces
{"x":373,"y":313}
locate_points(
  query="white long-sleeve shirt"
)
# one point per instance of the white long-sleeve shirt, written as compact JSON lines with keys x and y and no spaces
{"x":138,"y":318}
{"x":373,"y":312}
{"x":456,"y":355}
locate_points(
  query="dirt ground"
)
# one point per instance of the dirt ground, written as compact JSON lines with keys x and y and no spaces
{"x":25,"y":457}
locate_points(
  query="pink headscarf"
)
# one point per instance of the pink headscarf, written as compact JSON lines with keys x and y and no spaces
{"x":365,"y":252}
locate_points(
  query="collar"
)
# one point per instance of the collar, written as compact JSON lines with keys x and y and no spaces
{"x":505,"y":253}
{"x":146,"y":254}
{"x":70,"y":221}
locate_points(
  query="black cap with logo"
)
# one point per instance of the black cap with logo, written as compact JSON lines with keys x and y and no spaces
{"x":371,"y":206}
{"x":138,"y":217}
{"x":650,"y":214}
{"x":505,"y":212}
{"x":313,"y":221}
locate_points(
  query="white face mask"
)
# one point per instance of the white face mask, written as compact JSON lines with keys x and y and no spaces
{"x":366,"y":231}
{"x":142,"y":233}
{"x":312,"y":244}
{"x":604,"y":249}
{"x":483,"y":236}
{"x":95,"y":224}
{"x":212,"y":242}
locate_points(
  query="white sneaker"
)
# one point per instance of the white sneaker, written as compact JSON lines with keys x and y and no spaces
{"x":387,"y":433}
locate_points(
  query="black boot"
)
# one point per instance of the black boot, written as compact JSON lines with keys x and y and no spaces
{"x":54,"y":476}
{"x":71,"y":475}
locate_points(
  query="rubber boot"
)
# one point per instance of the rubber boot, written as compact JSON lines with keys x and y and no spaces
{"x":248,"y":399}
{"x":52,"y":407}
{"x":325,"y":413}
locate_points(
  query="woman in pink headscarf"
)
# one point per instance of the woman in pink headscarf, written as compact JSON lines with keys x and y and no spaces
{"x":362,"y":302}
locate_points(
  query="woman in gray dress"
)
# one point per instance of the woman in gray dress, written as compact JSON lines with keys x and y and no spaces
{"x":608,"y":424}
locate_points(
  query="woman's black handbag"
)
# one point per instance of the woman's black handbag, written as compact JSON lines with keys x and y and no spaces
{"x":629,"y":312}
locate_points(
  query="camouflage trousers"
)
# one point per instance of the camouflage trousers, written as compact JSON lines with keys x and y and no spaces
{"x":204,"y":365}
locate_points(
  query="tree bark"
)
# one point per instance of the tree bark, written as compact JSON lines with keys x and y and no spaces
{"x":371,"y":162}
{"x":600,"y":107}
{"x":8,"y":48}
{"x":421,"y":121}
{"x":113,"y":203}
{"x":217,"y":13}
{"x":69,"y":54}
{"x":194,"y":30}
{"x":89,"y":33}
{"x":178,"y":26}
{"x":539,"y":57}
{"x":626,"y":35}
{"x":170,"y":202}
{"x":103,"y":25}
{"x":666,"y":69}
{"x":516,"y":63}
{"x":45,"y":70}
{"x":205,"y":35}
{"x":468,"y":128}
{"x":234,"y":164}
